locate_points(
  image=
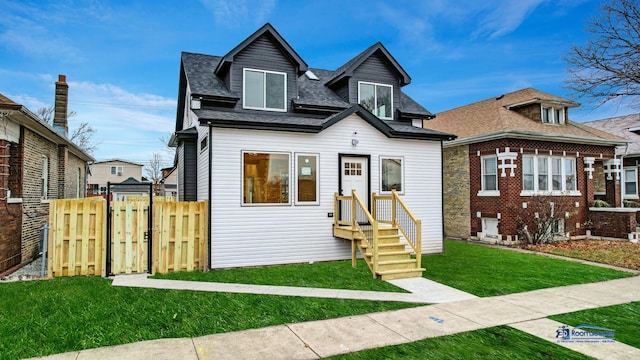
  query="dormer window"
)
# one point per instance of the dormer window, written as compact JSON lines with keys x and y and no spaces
{"x":377,"y":98}
{"x":552,"y":115}
{"x":264,"y":90}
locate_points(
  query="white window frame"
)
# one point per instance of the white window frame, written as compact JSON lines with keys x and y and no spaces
{"x":264,"y":90}
{"x":563,"y":176}
{"x":317,"y":176}
{"x":242,"y":184}
{"x":116,"y":170}
{"x":624,"y":184}
{"x":483,"y":191}
{"x":552,"y":118}
{"x":402,"y":183}
{"x":375,"y":97}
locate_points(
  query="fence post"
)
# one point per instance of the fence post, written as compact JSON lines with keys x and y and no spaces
{"x":375,"y":248}
{"x":353,"y":209}
{"x":45,"y":239}
{"x":336,"y":206}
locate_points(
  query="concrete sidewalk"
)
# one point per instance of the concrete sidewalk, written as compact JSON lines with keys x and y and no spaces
{"x":316,"y":339}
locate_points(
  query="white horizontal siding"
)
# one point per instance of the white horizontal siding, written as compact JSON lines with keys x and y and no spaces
{"x":203,"y":164}
{"x":262,"y":235}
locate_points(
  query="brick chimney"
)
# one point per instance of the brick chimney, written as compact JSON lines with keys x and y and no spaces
{"x":61,"y":102}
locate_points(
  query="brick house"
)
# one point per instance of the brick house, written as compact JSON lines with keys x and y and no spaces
{"x":627,"y":127}
{"x":38,"y":162}
{"x":514,"y":154}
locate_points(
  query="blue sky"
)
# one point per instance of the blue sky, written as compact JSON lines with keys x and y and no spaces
{"x":121,"y":58}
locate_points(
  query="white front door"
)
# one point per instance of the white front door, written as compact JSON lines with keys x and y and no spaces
{"x":354,"y":176}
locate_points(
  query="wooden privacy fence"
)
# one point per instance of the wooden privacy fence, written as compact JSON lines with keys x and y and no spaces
{"x":77,"y":243}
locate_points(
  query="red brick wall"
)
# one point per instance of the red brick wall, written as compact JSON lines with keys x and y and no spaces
{"x":510,"y":200}
{"x":613,"y":224}
{"x":10,"y":214}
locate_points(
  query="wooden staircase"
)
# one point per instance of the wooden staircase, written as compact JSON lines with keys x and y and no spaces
{"x":382,"y":245}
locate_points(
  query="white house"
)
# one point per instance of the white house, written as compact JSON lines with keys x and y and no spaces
{"x":269,"y":142}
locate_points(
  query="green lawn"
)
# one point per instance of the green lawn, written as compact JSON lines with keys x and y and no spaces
{"x":624,"y":319}
{"x":500,"y":342}
{"x":331,"y":274}
{"x":46,"y":317}
{"x":486,"y":271}
{"x":65,"y":314}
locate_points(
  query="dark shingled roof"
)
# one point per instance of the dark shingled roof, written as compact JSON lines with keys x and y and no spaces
{"x":301,"y":123}
{"x":314,"y":99}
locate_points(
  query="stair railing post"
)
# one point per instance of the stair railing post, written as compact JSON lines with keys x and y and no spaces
{"x":336,"y":213}
{"x":373,"y":206}
{"x":418,"y":243}
{"x":375,"y":248}
{"x":394,"y":219}
{"x":353,"y":208}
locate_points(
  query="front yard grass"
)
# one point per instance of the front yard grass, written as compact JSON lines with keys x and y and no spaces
{"x":487,"y":271}
{"x":618,"y":253}
{"x":623,"y":319}
{"x":65,"y":314}
{"x":330,"y":274}
{"x":45,"y":317}
{"x":500,"y":342}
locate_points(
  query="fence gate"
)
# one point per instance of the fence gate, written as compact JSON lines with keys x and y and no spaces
{"x":129,"y":229}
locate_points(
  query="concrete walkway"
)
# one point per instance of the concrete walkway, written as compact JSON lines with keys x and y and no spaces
{"x":316,"y":339}
{"x":422,"y":291}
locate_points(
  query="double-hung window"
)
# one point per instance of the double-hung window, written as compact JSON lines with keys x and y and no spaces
{"x":264,"y":90}
{"x":552,"y":115}
{"x":116,"y":170}
{"x":556,"y":175}
{"x":391,"y":176}
{"x":631,"y":182}
{"x":489,"y":186}
{"x":377,"y":98}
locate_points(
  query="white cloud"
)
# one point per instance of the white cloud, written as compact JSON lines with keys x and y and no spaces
{"x":505,"y":17}
{"x":238,"y":13}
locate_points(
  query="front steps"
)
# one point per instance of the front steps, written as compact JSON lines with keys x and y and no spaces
{"x":394,"y":261}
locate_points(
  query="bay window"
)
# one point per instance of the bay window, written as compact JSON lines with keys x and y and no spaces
{"x":631,"y":182}
{"x":550,"y":174}
{"x":489,"y":167}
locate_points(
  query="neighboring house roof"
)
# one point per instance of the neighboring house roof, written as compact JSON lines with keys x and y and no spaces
{"x":25,"y":117}
{"x":627,"y":126}
{"x":117,"y":160}
{"x":496,"y":118}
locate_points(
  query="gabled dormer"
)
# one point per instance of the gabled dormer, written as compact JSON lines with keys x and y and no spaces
{"x":550,"y":110}
{"x":262,"y":71}
{"x":372,"y":79}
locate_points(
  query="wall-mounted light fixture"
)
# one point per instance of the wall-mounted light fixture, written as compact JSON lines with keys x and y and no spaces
{"x":354,"y":141}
